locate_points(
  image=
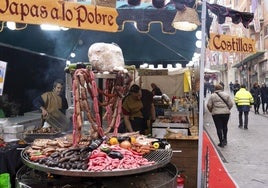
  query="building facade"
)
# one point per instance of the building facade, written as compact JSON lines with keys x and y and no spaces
{"x":247,"y":68}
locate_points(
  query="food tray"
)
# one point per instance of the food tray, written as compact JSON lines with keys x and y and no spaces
{"x":30,"y":137}
{"x":161,"y":157}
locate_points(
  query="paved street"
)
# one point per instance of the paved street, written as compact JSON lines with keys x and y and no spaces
{"x":245,"y":156}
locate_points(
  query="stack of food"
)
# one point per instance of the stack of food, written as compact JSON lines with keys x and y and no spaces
{"x":39,"y":133}
{"x":104,"y":154}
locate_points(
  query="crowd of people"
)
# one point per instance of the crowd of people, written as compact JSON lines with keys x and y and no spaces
{"x":220,"y":103}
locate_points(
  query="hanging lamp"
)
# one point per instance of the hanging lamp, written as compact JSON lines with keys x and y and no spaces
{"x":186,"y":19}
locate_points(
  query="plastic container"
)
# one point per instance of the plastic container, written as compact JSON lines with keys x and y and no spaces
{"x":13,"y":133}
{"x":5,"y":180}
{"x":11,"y":137}
{"x":3,"y":122}
{"x":14,"y":129}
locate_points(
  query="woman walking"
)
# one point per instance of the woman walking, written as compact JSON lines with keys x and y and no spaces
{"x":219,"y":105}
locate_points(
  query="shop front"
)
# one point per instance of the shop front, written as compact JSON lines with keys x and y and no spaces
{"x":252,"y":69}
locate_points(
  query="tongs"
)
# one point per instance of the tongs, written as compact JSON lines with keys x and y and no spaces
{"x":58,"y":120}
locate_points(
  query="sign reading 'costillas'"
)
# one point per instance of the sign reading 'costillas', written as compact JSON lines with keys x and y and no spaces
{"x":227,"y":43}
{"x":59,"y":12}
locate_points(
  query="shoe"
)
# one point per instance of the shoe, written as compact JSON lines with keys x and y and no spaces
{"x":245,"y":128}
{"x":224,"y":142}
{"x":221,"y":145}
{"x":240,"y":126}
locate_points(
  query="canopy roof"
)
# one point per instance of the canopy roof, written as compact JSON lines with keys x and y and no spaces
{"x":152,"y":39}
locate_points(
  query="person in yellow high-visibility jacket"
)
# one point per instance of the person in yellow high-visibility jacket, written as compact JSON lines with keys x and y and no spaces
{"x":243,"y":100}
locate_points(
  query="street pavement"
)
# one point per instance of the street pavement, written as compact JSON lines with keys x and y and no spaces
{"x":246,"y":155}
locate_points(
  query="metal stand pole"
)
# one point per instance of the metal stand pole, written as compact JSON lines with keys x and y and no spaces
{"x":201,"y":96}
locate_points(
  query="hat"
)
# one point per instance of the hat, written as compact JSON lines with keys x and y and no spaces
{"x":218,"y":87}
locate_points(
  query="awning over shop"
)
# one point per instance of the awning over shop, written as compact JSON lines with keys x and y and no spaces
{"x":248,"y":59}
{"x":145,"y":35}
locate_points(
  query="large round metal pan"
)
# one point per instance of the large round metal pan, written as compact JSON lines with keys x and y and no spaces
{"x":161,"y":157}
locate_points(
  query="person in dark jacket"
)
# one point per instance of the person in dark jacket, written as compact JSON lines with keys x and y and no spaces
{"x":222,"y":84}
{"x":231,"y":87}
{"x":256,"y":93}
{"x":264,"y":98}
{"x":236,"y":87}
{"x":148,"y":110}
{"x":155,"y":89}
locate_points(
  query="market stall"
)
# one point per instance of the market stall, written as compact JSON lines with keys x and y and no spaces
{"x":99,"y":153}
{"x":179,"y":121}
{"x":179,"y":102}
{"x":76,"y":136}
{"x":102,"y":152}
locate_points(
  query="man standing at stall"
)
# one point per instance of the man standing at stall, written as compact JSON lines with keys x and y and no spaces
{"x":132,"y":110}
{"x":52,"y":101}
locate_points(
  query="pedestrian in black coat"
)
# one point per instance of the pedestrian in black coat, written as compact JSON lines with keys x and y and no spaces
{"x":256,"y":93}
{"x":264,"y":98}
{"x":236,"y":87}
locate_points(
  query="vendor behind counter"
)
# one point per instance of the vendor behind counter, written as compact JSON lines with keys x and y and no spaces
{"x":51,"y":101}
{"x":138,"y":109}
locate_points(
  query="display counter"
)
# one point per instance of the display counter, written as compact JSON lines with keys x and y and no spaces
{"x":161,"y":129}
{"x":180,"y":128}
{"x":171,"y":122}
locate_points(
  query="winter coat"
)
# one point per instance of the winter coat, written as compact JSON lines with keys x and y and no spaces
{"x":256,"y":93}
{"x":236,"y":87}
{"x":216,"y":105}
{"x":264,"y":94}
{"x":243,"y":98}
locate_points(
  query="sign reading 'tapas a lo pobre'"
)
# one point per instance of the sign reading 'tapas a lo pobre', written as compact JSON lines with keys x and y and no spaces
{"x":227,"y":43}
{"x":59,"y":12}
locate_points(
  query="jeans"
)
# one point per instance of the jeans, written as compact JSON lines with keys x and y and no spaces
{"x":241,"y":118}
{"x":264,"y":107}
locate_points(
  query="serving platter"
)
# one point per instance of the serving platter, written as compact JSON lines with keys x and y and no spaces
{"x":161,"y":157}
